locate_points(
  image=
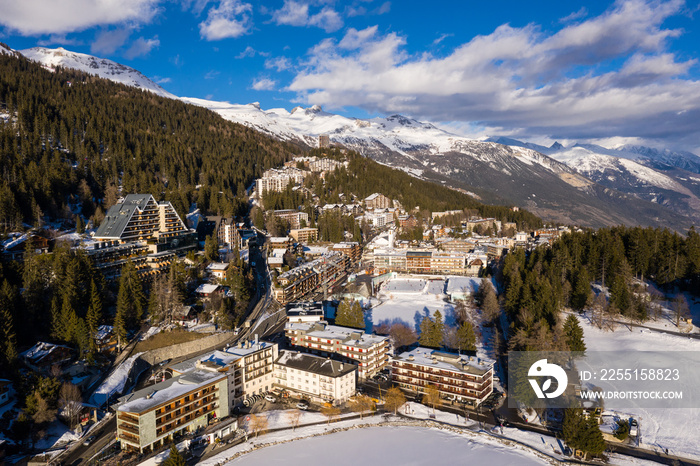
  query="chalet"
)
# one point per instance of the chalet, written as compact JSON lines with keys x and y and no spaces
{"x":42,"y":356}
{"x":207,"y":290}
{"x":14,"y":248}
{"x":218,"y":270}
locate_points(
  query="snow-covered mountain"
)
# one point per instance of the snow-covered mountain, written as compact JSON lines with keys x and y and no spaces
{"x":502,"y":171}
{"x":51,"y":58}
{"x":659,"y":176}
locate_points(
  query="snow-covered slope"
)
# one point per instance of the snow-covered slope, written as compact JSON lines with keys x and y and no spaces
{"x":659,"y":176}
{"x":51,"y":58}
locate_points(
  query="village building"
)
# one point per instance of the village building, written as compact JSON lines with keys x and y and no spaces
{"x":457,"y":377}
{"x":369,"y":352}
{"x":315,"y":378}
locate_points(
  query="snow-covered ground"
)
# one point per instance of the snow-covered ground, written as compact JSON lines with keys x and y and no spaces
{"x":675,"y":429}
{"x":392,"y":445}
{"x":115,"y":382}
{"x":408,"y":300}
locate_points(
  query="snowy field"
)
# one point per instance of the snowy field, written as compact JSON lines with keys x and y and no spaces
{"x":675,"y":429}
{"x":408,"y":300}
{"x":404,"y":285}
{"x":391,"y":445}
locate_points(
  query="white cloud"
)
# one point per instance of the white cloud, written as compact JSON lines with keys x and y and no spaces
{"x":264,"y":84}
{"x":278,"y":63}
{"x":60,"y":39}
{"x":107,"y":42}
{"x":563,"y":84}
{"x":159,"y":80}
{"x":295,"y":13}
{"x":230,"y":19}
{"x":248,"y":52}
{"x":33,"y":17}
{"x":212,"y":74}
{"x":142,"y":47}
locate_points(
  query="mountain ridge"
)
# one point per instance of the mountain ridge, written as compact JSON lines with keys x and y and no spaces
{"x":511,"y":171}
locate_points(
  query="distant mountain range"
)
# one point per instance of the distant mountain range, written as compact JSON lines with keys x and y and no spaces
{"x":583,"y":184}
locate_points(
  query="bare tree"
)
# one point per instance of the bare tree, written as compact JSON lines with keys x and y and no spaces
{"x":600,"y":303}
{"x":258,"y":424}
{"x":402,"y":335}
{"x":432,"y":396}
{"x":680,"y":308}
{"x":330,"y":412}
{"x":394,"y":399}
{"x":70,"y":402}
{"x":362,"y":403}
{"x":293,"y":417}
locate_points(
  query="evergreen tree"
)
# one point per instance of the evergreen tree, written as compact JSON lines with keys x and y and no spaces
{"x":94,"y":316}
{"x":8,"y":345}
{"x":431,"y":331}
{"x":130,"y":299}
{"x":489,"y":302}
{"x":466,"y":337}
{"x":175,"y":458}
{"x":581,"y":295}
{"x":350,"y":314}
{"x":574,"y":334}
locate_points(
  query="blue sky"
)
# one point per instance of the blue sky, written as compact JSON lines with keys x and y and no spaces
{"x":606,"y":72}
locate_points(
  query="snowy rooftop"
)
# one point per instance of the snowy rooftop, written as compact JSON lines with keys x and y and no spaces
{"x":314,"y":364}
{"x":217,"y":266}
{"x":458,"y":284}
{"x":447,"y":361}
{"x":160,"y":393}
{"x":351,"y":336}
{"x":206,"y":288}
{"x":39,"y":351}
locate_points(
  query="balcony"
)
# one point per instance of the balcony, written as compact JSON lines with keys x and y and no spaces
{"x":129,"y":428}
{"x":122,"y":416}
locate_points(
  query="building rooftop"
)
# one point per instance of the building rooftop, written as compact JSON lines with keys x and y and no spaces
{"x":155,"y":395}
{"x":349,"y":336}
{"x":217,"y":266}
{"x":314,"y":364}
{"x":446,"y":360}
{"x":118,"y":215}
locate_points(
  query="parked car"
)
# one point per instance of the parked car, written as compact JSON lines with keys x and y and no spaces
{"x":89,"y":440}
{"x":271,"y":398}
{"x":303,"y":405}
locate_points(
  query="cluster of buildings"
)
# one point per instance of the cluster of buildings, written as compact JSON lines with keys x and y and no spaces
{"x":139,"y":229}
{"x":278,"y":179}
{"x":209,"y":387}
{"x":330,"y":265}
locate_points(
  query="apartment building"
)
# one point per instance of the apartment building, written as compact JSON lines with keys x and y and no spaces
{"x":418,"y":261}
{"x":278,"y":180}
{"x":324,"y":141}
{"x":140,"y":230}
{"x":248,"y":366}
{"x":294,"y":217}
{"x":457,"y":377}
{"x":325,"y":165}
{"x":304,"y":235}
{"x":295,"y":283}
{"x":150,"y":418}
{"x":138,"y":217}
{"x":351,"y":249}
{"x":315,"y":378}
{"x":369,"y":352}
{"x":377,"y":201}
{"x":448,"y":263}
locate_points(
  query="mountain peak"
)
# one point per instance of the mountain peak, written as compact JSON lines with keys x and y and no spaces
{"x":556,"y":146}
{"x":102,"y":67}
